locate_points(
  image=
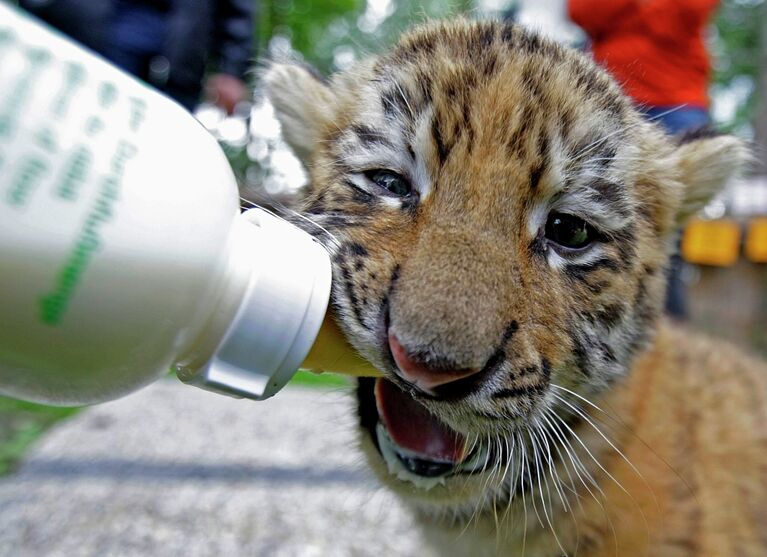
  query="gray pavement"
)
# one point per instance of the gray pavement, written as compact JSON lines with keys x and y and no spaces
{"x":173,"y":470}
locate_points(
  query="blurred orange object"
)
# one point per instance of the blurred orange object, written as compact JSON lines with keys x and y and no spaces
{"x":756,"y":240}
{"x":711,"y":242}
{"x":655,"y":49}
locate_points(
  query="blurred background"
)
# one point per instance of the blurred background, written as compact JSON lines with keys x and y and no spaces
{"x":723,"y":268}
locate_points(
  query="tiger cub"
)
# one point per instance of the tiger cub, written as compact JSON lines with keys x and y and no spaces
{"x":500,"y":217}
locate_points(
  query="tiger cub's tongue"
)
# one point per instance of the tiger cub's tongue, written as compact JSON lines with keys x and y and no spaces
{"x":412,"y":427}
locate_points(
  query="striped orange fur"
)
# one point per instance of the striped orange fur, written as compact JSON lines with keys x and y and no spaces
{"x":496,"y":200}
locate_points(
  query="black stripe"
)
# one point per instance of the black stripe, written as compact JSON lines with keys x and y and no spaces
{"x":316,"y":204}
{"x":579,"y":271}
{"x":608,"y":191}
{"x":348,"y":284}
{"x":342,"y":220}
{"x":612,"y":314}
{"x":532,"y":81}
{"x":509,"y":33}
{"x":359,"y":195}
{"x":535,"y":175}
{"x":543,"y":147}
{"x":515,"y":392}
{"x":509,"y":332}
{"x":486,"y":36}
{"x":696,"y":134}
{"x":363,"y":197}
{"x":490,"y":64}
{"x":581,"y":356}
{"x":528,"y":370}
{"x":608,"y":352}
{"x":436,"y":133}
{"x":546,"y":367}
{"x":369,"y":136}
{"x":357,"y":249}
{"x":341,"y":167}
{"x":394,"y":277}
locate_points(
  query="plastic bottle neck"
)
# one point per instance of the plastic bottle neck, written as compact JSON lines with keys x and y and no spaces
{"x":238,"y":270}
{"x":273,"y":299}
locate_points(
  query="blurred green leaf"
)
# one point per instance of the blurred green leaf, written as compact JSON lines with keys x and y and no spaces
{"x":320,"y":379}
{"x":316,"y":28}
{"x":737,"y":52}
{"x":21,"y":424}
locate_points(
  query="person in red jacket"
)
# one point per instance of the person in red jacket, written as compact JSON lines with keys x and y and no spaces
{"x":655,"y":49}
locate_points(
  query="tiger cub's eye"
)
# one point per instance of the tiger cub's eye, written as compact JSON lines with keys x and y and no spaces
{"x":569,"y":231}
{"x":390,"y":181}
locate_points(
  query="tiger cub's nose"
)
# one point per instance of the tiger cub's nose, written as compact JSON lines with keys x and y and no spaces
{"x":428,"y":374}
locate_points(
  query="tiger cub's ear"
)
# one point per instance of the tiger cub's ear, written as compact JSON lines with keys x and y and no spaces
{"x":706,"y":162}
{"x":302,"y":103}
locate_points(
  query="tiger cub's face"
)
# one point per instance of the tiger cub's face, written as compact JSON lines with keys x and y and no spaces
{"x":499,"y":218}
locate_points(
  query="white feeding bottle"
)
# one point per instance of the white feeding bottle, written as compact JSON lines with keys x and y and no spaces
{"x":122,"y":250}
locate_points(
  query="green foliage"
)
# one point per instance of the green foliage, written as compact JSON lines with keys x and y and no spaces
{"x":308,"y":378}
{"x":318,"y":28}
{"x":737,"y":54}
{"x":738,"y":24}
{"x":21,"y":423}
{"x":310,"y":25}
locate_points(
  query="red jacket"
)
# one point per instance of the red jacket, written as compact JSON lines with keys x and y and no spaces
{"x":654,"y":48}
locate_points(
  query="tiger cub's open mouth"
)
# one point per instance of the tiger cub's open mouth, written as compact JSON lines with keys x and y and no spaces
{"x":415,"y":445}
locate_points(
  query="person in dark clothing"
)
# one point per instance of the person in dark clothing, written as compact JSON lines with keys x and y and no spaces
{"x":167,"y":43}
